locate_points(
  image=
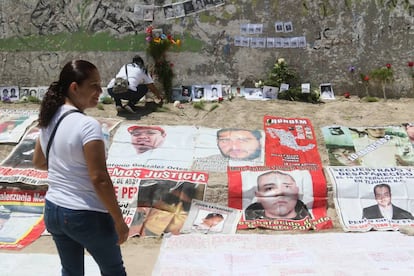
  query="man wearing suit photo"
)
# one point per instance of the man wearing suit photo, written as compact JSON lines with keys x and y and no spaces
{"x":384,"y":208}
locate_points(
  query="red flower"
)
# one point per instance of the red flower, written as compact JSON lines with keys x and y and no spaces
{"x":347,"y":95}
{"x":410,"y":63}
{"x":366,"y":78}
{"x":388,"y":65}
{"x":220,"y":99}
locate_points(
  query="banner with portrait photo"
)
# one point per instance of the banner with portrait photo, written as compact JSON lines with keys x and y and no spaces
{"x":14,"y":123}
{"x":216,"y":149}
{"x":21,"y":217}
{"x":373,"y":198}
{"x":154,"y":202}
{"x":380,"y":146}
{"x":277,"y":199}
{"x":211,"y":218}
{"x":292,"y":158}
{"x":17,"y":167}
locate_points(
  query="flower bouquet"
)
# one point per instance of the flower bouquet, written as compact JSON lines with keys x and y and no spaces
{"x":158,"y":45}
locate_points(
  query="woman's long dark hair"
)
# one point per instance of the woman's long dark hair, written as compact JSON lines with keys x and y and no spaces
{"x":73,"y":71}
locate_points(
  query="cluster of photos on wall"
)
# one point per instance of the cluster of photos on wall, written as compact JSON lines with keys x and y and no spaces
{"x":16,"y":93}
{"x":214,"y":92}
{"x":268,"y":42}
{"x":176,"y":10}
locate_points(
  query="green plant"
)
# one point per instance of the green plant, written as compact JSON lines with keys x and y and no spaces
{"x":295,"y":94}
{"x":33,"y":99}
{"x":107,"y":100}
{"x":281,"y":73}
{"x":199,"y":105}
{"x":384,"y":76}
{"x":100,"y":106}
{"x":370,"y":99}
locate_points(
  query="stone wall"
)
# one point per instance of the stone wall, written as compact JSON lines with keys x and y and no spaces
{"x":366,"y":34}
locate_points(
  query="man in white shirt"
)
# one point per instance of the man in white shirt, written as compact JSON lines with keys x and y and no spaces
{"x":138,"y":84}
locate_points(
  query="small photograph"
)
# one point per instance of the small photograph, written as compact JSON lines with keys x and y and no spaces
{"x":186,"y":93}
{"x":278,"y":42}
{"x":209,"y":3}
{"x":326,"y":91}
{"x":226,"y":91}
{"x":245,"y":42}
{"x":9,"y":93}
{"x":169,"y":11}
{"x":148,"y":11}
{"x":41,"y":91}
{"x":284,"y":87}
{"x":253,"y":42}
{"x":288,"y":27}
{"x":237,"y":90}
{"x":302,"y":42}
{"x":179,"y":10}
{"x":258,"y":28}
{"x":237,"y":41}
{"x":198,"y":93}
{"x":198,"y":5}
{"x":213,"y":92}
{"x":285,"y":42}
{"x":188,"y":7}
{"x":293,"y":42}
{"x":251,"y":28}
{"x":279,"y":27}
{"x":270,"y":42}
{"x":138,"y":12}
{"x":270,"y":92}
{"x":243,"y":28}
{"x":261,"y":42}
{"x":253,"y":94}
{"x":305,"y":87}
{"x":14,"y":93}
{"x":209,"y":222}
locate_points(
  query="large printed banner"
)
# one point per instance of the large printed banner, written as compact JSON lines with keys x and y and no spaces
{"x":13,"y":124}
{"x":289,"y":193}
{"x":154,"y":202}
{"x":21,"y":217}
{"x":18,"y":166}
{"x":277,"y":255}
{"x":186,"y":147}
{"x":383,"y":146}
{"x":373,"y":198}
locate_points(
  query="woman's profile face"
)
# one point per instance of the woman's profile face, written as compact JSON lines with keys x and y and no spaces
{"x":88,"y":92}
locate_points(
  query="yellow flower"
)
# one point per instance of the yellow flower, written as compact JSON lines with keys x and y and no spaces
{"x":157,"y":40}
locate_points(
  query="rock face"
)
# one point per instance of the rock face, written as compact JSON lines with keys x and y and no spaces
{"x":366,"y":34}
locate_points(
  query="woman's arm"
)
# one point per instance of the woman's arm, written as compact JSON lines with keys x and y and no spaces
{"x":94,"y":152}
{"x":39,"y":159}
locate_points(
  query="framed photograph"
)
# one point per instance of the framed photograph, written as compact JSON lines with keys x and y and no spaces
{"x":288,"y":27}
{"x":305,"y":87}
{"x":326,"y":91}
{"x":270,"y":42}
{"x":279,"y":27}
{"x":237,"y":41}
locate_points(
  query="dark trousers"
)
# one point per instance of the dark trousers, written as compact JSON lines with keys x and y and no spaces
{"x":132,"y":96}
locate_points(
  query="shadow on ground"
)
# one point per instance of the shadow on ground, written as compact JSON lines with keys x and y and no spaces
{"x":140,"y":111}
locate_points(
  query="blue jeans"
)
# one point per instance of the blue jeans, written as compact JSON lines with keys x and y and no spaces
{"x":74,"y":231}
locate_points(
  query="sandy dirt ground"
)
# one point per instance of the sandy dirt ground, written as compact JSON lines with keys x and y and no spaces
{"x":140,"y":254}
